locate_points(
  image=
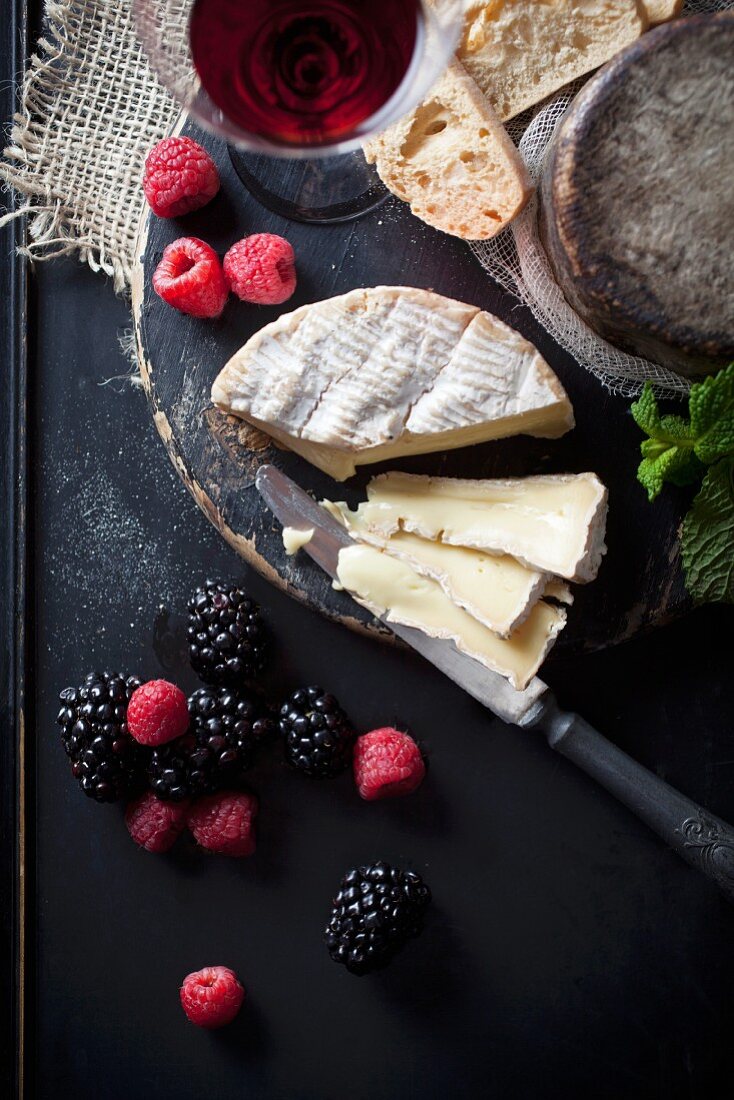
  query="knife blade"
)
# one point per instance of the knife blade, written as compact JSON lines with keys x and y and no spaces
{"x":295,"y":508}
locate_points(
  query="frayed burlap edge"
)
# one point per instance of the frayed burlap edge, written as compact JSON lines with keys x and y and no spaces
{"x":89,"y":110}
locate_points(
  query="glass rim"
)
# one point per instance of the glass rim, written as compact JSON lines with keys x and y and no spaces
{"x":409,"y":93}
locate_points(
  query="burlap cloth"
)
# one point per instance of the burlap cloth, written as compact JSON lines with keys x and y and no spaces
{"x":90,"y":108}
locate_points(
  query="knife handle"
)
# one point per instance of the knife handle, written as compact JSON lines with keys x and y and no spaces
{"x":703,"y":840}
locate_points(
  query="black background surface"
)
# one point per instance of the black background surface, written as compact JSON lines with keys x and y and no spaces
{"x":568,"y":955}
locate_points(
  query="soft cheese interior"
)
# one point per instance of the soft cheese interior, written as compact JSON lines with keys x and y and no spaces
{"x":295,"y":539}
{"x":389,"y":371}
{"x":390,"y":587}
{"x":553,"y":524}
{"x":496,"y":590}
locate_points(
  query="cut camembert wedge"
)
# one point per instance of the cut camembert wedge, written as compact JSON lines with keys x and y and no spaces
{"x":389,"y":371}
{"x":389,"y":587}
{"x":494,"y":589}
{"x":553,"y":523}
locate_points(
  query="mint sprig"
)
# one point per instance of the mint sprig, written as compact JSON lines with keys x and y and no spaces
{"x":681,"y":451}
{"x":678,"y":450}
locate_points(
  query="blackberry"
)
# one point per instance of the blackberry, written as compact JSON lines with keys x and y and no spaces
{"x":378,"y":908}
{"x":318,"y":735}
{"x":225,"y":730}
{"x":226,"y":633}
{"x":108,"y":763}
{"x":230,"y":726}
{"x":180,"y":769}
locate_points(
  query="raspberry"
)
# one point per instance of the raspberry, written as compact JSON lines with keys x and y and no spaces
{"x":225,"y":823}
{"x":211,"y":997}
{"x":179,"y":177}
{"x":153,"y":824}
{"x":387,"y":763}
{"x":190,"y":278}
{"x":261,"y":269}
{"x":158,"y":712}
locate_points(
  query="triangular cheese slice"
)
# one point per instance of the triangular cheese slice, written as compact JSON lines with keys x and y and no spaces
{"x":554,"y":523}
{"x":390,"y":587}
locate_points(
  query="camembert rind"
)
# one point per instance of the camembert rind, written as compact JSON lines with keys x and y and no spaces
{"x":554,"y":523}
{"x":389,"y":587}
{"x":494,"y":589}
{"x":388,"y":371}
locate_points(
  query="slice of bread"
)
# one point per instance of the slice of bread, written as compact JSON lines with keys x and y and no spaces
{"x":520,"y":51}
{"x":451,"y":159}
{"x":661,"y":11}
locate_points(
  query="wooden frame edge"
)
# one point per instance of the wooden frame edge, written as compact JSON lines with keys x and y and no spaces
{"x":14,"y":501}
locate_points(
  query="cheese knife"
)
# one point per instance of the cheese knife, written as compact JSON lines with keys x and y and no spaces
{"x":703,"y":840}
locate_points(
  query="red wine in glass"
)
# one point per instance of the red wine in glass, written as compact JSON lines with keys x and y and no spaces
{"x":303,"y":72}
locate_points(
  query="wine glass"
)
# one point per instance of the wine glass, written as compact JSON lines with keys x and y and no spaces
{"x":296,"y":86}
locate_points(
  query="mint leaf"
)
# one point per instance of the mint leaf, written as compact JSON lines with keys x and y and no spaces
{"x":668,"y":455}
{"x":707,"y":538}
{"x":678,"y":450}
{"x":646,"y":412}
{"x":711,"y":405}
{"x":665,"y":463}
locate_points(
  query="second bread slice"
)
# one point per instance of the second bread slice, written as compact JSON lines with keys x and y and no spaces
{"x":520,"y":51}
{"x":452,"y":160}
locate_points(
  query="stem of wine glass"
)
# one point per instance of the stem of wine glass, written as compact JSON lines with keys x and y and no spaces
{"x":323,"y":190}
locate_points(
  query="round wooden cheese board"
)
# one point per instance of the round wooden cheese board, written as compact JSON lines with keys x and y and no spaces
{"x":217,"y":456}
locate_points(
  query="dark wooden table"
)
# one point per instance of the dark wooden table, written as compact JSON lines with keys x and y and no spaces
{"x":570,"y":955}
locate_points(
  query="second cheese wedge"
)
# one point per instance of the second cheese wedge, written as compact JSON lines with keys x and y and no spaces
{"x":390,"y":371}
{"x":390,"y":587}
{"x":554,"y":523}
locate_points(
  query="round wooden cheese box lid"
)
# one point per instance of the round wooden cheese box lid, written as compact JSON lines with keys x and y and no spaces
{"x":637,"y":201}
